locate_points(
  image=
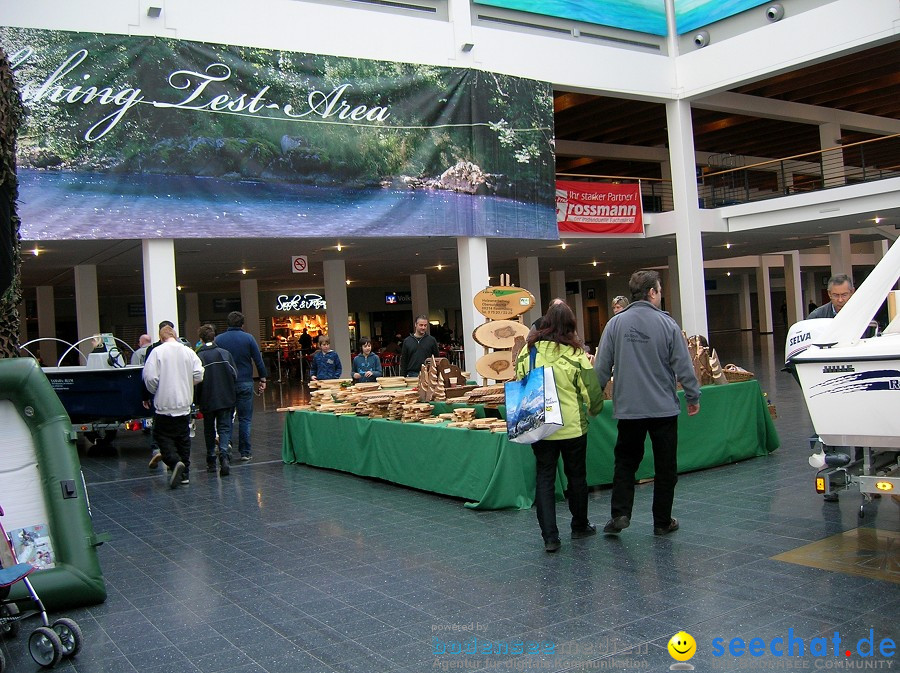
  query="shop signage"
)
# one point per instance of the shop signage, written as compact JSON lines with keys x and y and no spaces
{"x":398,"y":298}
{"x":596,"y":208}
{"x":300,"y":302}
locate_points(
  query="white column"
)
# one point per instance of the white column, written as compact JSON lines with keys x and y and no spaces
{"x":558,"y":284}
{"x":337,"y":310}
{"x":473,"y":277}
{"x":879,"y":250}
{"x":578,"y":308}
{"x":688,"y":242}
{"x":87,"y":306}
{"x":839,"y":245}
{"x":250,"y":308}
{"x":793,"y":294}
{"x":418,"y":285}
{"x":764,"y":297}
{"x":160,"y":293}
{"x":812,"y":293}
{"x":191,"y":316}
{"x":46,"y":315}
{"x":530,"y":279}
{"x":832,"y":160}
{"x":460,"y":15}
{"x":671,"y":290}
{"x":745,"y":312}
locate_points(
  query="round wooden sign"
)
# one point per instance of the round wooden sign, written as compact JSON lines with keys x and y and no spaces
{"x":498,"y":366}
{"x":502,"y":302}
{"x":499,"y":333}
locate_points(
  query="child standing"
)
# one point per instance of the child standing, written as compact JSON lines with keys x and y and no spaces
{"x":326,"y":364}
{"x":366,"y":366}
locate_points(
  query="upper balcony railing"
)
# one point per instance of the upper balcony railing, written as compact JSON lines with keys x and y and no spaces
{"x":726,"y":181}
{"x":863,"y":161}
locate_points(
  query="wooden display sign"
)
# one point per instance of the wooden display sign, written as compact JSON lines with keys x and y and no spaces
{"x":499,"y":333}
{"x":503,"y":302}
{"x":498,"y":366}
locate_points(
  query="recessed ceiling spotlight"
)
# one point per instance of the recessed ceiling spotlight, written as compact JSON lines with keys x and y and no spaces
{"x":877,"y":220}
{"x":563,"y":245}
{"x":36,"y":251}
{"x":594,"y":262}
{"x":728,"y":246}
{"x":608,"y":274}
{"x":339,"y":247}
{"x":244,"y":271}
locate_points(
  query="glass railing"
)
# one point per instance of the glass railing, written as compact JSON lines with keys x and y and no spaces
{"x":854,"y":163}
{"x":728,"y":180}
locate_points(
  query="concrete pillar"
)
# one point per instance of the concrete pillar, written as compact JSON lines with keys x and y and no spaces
{"x":250,"y":308}
{"x":764,"y":298}
{"x":833,"y":159}
{"x":192,"y":316}
{"x":810,"y":289}
{"x":689,"y":245}
{"x":418,"y":285}
{"x":578,"y":308}
{"x":530,"y":279}
{"x":558,"y":284}
{"x":841,"y":260}
{"x":160,"y":293}
{"x":879,"y":250}
{"x":87,"y":305}
{"x":793,"y":294}
{"x":671,"y":290}
{"x":745,"y":312}
{"x":337,"y":310}
{"x":46,"y":315}
{"x":473,"y":277}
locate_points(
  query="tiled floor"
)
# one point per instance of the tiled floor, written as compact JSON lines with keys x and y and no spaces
{"x":284,"y":568}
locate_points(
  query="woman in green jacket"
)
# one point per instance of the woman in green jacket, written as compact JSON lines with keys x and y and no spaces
{"x":559,"y":347}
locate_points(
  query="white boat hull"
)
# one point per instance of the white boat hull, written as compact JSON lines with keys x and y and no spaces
{"x":853,"y":392}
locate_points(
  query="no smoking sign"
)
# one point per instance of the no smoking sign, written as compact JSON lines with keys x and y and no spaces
{"x":299,"y":264}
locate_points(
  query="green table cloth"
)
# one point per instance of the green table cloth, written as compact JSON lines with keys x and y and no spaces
{"x":490,"y":472}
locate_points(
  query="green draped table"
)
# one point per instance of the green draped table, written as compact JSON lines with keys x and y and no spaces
{"x":490,"y":472}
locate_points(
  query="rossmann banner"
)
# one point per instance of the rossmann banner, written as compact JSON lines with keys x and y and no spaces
{"x":595,"y":208}
{"x":142,"y":137}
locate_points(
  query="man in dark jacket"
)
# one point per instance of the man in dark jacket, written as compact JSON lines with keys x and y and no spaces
{"x":244,"y":349}
{"x":215,"y":396}
{"x":417,"y":347}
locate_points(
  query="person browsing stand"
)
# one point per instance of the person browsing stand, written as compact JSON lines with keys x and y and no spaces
{"x":366,"y":366}
{"x":649,"y":353}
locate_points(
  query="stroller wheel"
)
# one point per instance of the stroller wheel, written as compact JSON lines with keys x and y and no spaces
{"x":45,"y":647}
{"x":9,"y":629}
{"x":69,"y":635}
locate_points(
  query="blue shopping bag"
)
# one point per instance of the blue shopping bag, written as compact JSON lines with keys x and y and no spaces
{"x":532,"y":405}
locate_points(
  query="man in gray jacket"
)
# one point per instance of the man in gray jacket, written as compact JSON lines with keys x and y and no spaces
{"x":649,"y":353}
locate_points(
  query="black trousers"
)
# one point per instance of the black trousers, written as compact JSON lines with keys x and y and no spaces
{"x":173,"y":435}
{"x":629,"y":452}
{"x":546,"y":454}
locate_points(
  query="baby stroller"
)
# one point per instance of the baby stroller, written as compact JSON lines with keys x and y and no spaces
{"x":48,"y":643}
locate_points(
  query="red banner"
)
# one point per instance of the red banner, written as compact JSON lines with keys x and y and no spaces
{"x":596,"y":208}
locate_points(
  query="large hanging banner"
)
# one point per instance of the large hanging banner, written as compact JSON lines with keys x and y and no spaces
{"x":598,"y":208}
{"x":143,"y":137}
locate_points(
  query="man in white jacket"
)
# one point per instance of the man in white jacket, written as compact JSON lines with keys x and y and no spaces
{"x":170,"y":373}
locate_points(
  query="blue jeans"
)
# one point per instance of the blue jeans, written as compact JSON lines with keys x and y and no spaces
{"x":244,"y":407}
{"x":217,"y":421}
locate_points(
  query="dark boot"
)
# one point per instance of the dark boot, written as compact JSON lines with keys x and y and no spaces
{"x":224,"y":467}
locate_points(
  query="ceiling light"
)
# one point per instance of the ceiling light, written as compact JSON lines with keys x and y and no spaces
{"x":178,"y":287}
{"x":728,"y":273}
{"x":339,"y":248}
{"x":877,"y":220}
{"x":348,"y":281}
{"x":728,"y":246}
{"x":244,"y":271}
{"x":439,"y":267}
{"x":563,"y":245}
{"x":594,"y":262}
{"x":608,"y":274}
{"x":36,"y":251}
